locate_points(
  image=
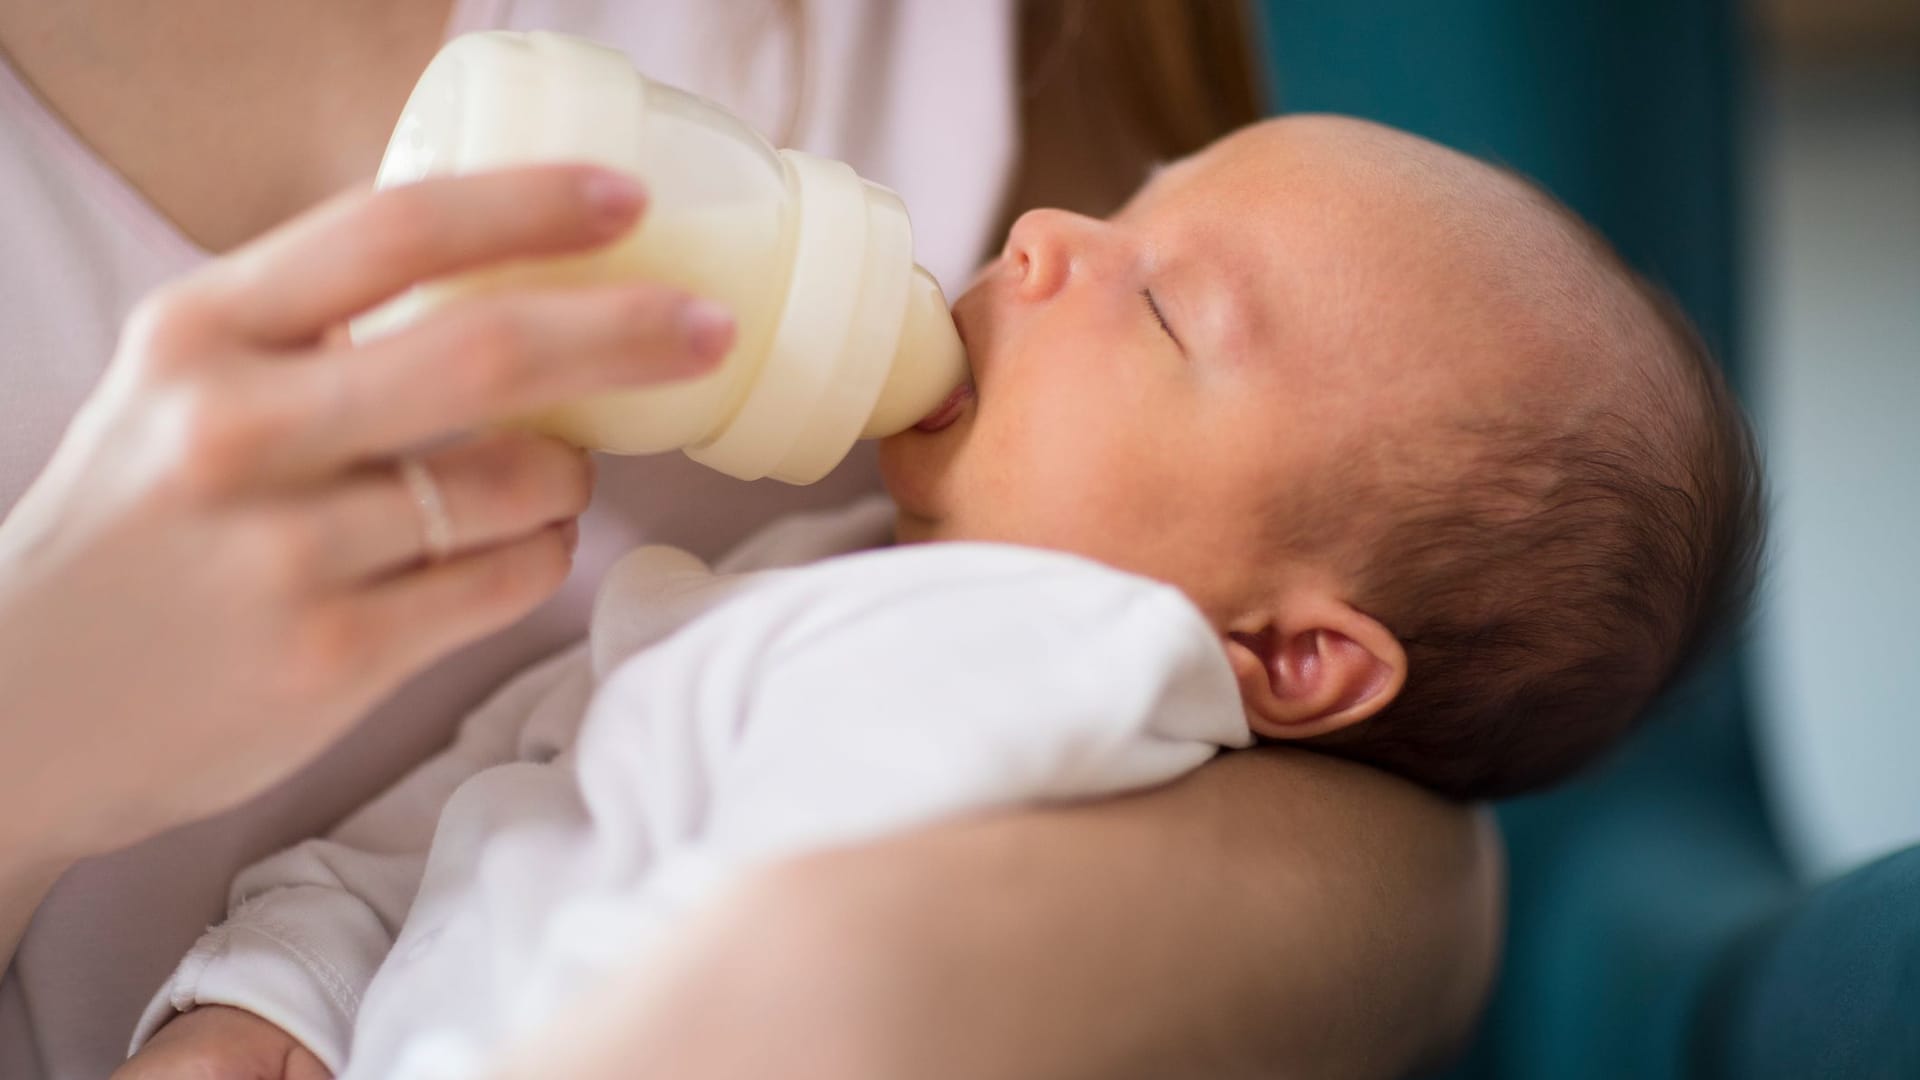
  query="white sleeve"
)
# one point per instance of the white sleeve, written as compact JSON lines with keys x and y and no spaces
{"x":308,"y":927}
{"x":960,"y":680}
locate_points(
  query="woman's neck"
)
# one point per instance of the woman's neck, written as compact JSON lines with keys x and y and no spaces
{"x":228,"y":117}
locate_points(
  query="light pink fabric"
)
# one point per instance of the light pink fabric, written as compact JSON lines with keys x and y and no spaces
{"x":917,"y":94}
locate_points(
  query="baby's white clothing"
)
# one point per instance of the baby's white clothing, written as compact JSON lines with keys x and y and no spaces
{"x":711,"y":722}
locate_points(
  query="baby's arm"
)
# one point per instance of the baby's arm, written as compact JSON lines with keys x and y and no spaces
{"x":308,"y":927}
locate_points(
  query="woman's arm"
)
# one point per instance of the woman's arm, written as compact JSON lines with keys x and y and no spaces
{"x":1277,"y":913}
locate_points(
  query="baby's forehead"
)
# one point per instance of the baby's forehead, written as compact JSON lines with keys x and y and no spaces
{"x":1322,"y":194}
{"x":1352,"y":173}
{"x":1419,"y":249}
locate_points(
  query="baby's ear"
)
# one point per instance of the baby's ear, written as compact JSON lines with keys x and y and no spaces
{"x":1320,"y":667}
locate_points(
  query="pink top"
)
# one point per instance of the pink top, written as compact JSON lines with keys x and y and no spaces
{"x":917,"y":94}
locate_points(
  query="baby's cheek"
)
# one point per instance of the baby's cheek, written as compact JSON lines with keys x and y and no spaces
{"x":1092,"y":480}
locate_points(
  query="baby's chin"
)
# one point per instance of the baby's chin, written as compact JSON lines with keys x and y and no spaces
{"x":911,"y":529}
{"x":915,"y":467}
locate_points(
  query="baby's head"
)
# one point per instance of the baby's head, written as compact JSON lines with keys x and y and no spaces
{"x":1458,"y":491}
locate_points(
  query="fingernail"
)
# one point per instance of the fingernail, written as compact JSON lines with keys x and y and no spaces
{"x":614,"y":197}
{"x":709,"y":328}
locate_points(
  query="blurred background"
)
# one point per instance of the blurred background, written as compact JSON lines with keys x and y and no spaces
{"x":1833,"y":321}
{"x":1737,"y":894}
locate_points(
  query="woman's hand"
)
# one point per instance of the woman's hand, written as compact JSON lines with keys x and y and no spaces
{"x":223,"y":566}
{"x":1278,"y":913}
{"x":215,"y":1042}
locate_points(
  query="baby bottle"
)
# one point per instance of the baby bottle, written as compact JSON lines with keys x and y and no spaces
{"x":840,"y":336}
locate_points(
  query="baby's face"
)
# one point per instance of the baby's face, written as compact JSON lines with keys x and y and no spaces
{"x":1306,"y":299}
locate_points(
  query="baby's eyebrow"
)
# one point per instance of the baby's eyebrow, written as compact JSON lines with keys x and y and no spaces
{"x":1221,"y":310}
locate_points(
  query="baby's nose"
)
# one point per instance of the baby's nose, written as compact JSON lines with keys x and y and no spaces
{"x":1041,"y":248}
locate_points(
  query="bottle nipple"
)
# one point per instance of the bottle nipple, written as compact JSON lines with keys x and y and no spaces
{"x":928,"y":363}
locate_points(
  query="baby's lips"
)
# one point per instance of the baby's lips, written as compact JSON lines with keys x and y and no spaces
{"x":948,"y":411}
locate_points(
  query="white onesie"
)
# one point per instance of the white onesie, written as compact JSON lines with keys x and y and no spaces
{"x":711,"y":722}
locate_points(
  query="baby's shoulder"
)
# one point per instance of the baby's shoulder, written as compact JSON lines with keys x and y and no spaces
{"x":987,"y":583}
{"x":959,"y":593}
{"x":977,"y":563}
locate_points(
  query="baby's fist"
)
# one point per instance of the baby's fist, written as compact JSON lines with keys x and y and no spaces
{"x":215,"y":1042}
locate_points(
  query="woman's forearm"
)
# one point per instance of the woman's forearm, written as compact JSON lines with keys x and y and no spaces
{"x":1278,"y":913}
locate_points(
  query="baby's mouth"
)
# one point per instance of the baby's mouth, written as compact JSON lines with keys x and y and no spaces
{"x":948,"y":410}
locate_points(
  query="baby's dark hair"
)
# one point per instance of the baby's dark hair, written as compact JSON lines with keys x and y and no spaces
{"x":1546,"y":603}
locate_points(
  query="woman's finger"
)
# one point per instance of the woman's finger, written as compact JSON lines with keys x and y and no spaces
{"x":488,"y":359}
{"x":492,"y":489}
{"x":406,"y":623}
{"x":355,"y":251}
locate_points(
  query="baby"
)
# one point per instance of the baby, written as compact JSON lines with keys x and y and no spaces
{"x":1330,"y":436}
